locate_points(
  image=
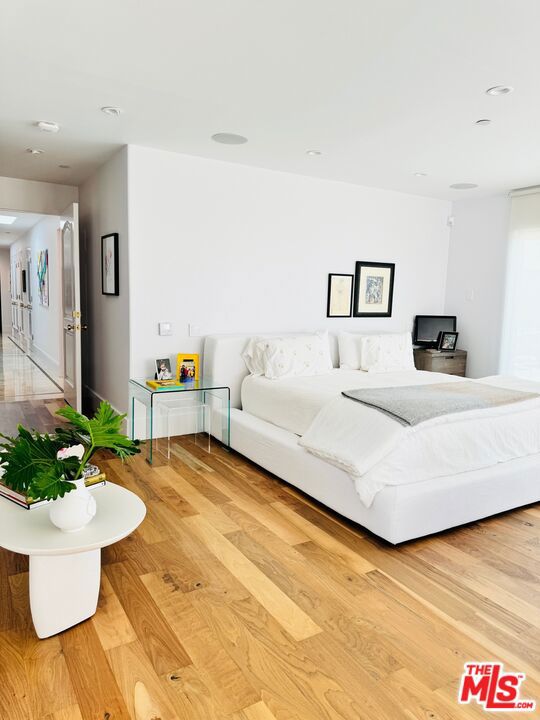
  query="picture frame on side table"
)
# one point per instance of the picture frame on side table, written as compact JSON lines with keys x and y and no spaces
{"x":340,"y":295}
{"x":447,"y":341}
{"x":109,"y":264}
{"x":187,"y":367}
{"x":373,"y":289}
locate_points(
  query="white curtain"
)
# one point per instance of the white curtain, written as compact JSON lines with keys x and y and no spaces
{"x":520,"y":351}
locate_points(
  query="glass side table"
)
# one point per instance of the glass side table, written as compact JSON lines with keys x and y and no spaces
{"x":195,"y":394}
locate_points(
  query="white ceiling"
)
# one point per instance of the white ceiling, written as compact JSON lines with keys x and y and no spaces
{"x":24,"y":222}
{"x":383,"y":88}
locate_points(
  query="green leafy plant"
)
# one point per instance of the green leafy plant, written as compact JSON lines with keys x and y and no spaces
{"x":46,"y":466}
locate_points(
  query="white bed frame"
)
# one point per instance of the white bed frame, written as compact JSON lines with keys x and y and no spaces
{"x":398,"y":513}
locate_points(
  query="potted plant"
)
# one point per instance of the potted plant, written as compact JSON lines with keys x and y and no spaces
{"x":51,"y":467}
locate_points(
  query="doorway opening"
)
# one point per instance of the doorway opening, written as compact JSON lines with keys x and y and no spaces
{"x":38,"y":285}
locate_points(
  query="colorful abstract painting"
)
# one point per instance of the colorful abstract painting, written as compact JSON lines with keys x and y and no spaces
{"x":43,"y":277}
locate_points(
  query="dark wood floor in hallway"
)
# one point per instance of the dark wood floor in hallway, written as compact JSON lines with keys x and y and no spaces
{"x":241,"y":599}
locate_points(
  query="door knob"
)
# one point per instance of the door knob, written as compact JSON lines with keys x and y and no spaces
{"x":69,"y":327}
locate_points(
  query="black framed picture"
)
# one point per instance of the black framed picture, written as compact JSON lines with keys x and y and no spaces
{"x":109,"y":264}
{"x":447,"y":341}
{"x":373,"y":289}
{"x":340,"y":295}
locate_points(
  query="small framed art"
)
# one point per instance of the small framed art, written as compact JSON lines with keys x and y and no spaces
{"x":187,"y":367}
{"x":373,"y":289}
{"x":109,"y":264}
{"x":163,"y":369}
{"x":340,"y":293}
{"x":448,"y":341}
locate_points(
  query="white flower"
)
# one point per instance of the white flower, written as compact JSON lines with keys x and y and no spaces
{"x":73,"y":451}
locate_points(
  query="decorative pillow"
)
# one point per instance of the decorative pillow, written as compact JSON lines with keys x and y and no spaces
{"x":253,"y":356}
{"x":386,"y":353}
{"x":349,"y":351}
{"x":297,"y":355}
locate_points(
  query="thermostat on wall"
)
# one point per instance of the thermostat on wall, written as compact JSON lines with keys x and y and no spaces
{"x":165,"y":328}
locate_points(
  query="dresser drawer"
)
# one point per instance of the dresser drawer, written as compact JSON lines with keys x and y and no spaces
{"x":450,"y":364}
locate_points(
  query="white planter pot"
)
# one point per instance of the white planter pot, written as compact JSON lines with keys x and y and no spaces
{"x":75,"y":510}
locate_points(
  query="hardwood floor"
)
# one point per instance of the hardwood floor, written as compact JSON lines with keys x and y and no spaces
{"x":241,"y":599}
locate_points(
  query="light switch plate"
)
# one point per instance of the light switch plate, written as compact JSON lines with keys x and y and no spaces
{"x":165,"y":328}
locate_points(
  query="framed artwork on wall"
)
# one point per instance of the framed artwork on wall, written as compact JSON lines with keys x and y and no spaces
{"x":43,"y":277}
{"x":109,"y":264}
{"x":340,"y":294}
{"x":373,"y":289}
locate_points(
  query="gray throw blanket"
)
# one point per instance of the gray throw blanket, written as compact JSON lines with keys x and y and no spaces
{"x":414,"y":404}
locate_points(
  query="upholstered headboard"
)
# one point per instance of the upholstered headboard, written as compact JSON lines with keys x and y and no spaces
{"x":223,"y":363}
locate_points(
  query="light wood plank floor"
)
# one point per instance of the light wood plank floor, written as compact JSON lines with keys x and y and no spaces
{"x":240,"y":599}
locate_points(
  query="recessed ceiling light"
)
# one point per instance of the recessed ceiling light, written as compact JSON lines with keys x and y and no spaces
{"x":500,"y":90}
{"x":313,"y":152}
{"x":46,"y":126}
{"x":420,"y":174}
{"x":463,"y":186}
{"x":65,"y":167}
{"x":34,"y":151}
{"x":229,"y":138}
{"x":482,"y":122}
{"x":7,"y":219}
{"x":112,"y":110}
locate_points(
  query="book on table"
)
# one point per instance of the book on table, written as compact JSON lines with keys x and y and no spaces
{"x":164,"y":384}
{"x":96,"y":480}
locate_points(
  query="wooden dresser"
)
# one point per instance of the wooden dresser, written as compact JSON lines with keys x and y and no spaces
{"x":451,"y":363}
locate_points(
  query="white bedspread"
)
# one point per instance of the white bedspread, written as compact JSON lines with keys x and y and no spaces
{"x":378,"y":451}
{"x":293,"y":403}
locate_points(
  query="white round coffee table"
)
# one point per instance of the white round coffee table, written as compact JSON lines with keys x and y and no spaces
{"x":65,"y":568}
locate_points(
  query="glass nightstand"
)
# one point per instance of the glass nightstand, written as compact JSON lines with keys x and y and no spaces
{"x":200,"y":396}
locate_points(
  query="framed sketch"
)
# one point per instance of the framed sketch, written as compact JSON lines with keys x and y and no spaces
{"x":373,"y":289}
{"x":109,"y":264}
{"x":340,"y":293}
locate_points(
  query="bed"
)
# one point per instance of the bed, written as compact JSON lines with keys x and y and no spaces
{"x":268,"y":418}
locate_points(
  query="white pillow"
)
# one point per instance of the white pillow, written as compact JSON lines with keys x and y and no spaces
{"x":297,"y":355}
{"x":386,"y":353}
{"x":253,"y":356}
{"x":349,"y":351}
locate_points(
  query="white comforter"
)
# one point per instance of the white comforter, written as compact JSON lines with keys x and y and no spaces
{"x":378,"y":451}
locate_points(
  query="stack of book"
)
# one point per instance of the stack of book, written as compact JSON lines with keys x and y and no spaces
{"x":164,"y":384}
{"x":93,"y":478}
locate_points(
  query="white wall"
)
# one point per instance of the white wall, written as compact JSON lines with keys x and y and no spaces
{"x":103,"y":210}
{"x":476,"y":279}
{"x":232,"y":248}
{"x":5,"y":290}
{"x":34,"y":196}
{"x":45,"y":320}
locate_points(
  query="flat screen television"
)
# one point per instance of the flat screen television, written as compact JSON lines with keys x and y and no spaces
{"x":428,"y":327}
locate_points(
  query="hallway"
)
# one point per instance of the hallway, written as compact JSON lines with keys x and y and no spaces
{"x":20,"y":378}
